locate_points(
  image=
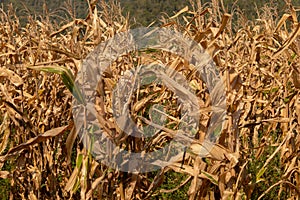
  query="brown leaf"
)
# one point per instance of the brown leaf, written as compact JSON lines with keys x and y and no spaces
{"x":4,"y":128}
{"x":183,"y":10}
{"x":130,"y":188}
{"x":40,"y":138}
{"x":296,"y":76}
{"x":4,"y":174}
{"x":69,"y":143}
{"x":12,"y":76}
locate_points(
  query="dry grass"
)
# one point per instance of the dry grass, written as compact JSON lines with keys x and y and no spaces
{"x":257,"y":155}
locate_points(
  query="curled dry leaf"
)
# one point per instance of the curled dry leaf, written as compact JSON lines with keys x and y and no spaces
{"x":4,"y":174}
{"x":11,"y":75}
{"x":40,"y":138}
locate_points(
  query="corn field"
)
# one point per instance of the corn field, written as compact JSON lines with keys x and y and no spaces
{"x":256,"y":155}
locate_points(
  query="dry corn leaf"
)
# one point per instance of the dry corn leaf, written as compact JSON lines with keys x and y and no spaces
{"x":296,"y":76}
{"x":4,"y":132}
{"x":131,"y":187}
{"x":70,"y":185}
{"x":208,"y":149}
{"x":70,"y":142}
{"x":4,"y":174}
{"x":94,"y":185}
{"x":12,"y":76}
{"x":32,"y":196}
{"x":288,"y":42}
{"x":183,"y":10}
{"x":40,"y":138}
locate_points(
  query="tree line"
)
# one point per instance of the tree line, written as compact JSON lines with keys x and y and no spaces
{"x":142,"y":12}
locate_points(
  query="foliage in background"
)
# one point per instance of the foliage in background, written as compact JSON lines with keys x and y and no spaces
{"x":143,"y":12}
{"x":257,"y":155}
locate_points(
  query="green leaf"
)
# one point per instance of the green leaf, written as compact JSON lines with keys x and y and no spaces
{"x":259,"y":174}
{"x":79,"y":161}
{"x":214,"y":181}
{"x":67,"y":78}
